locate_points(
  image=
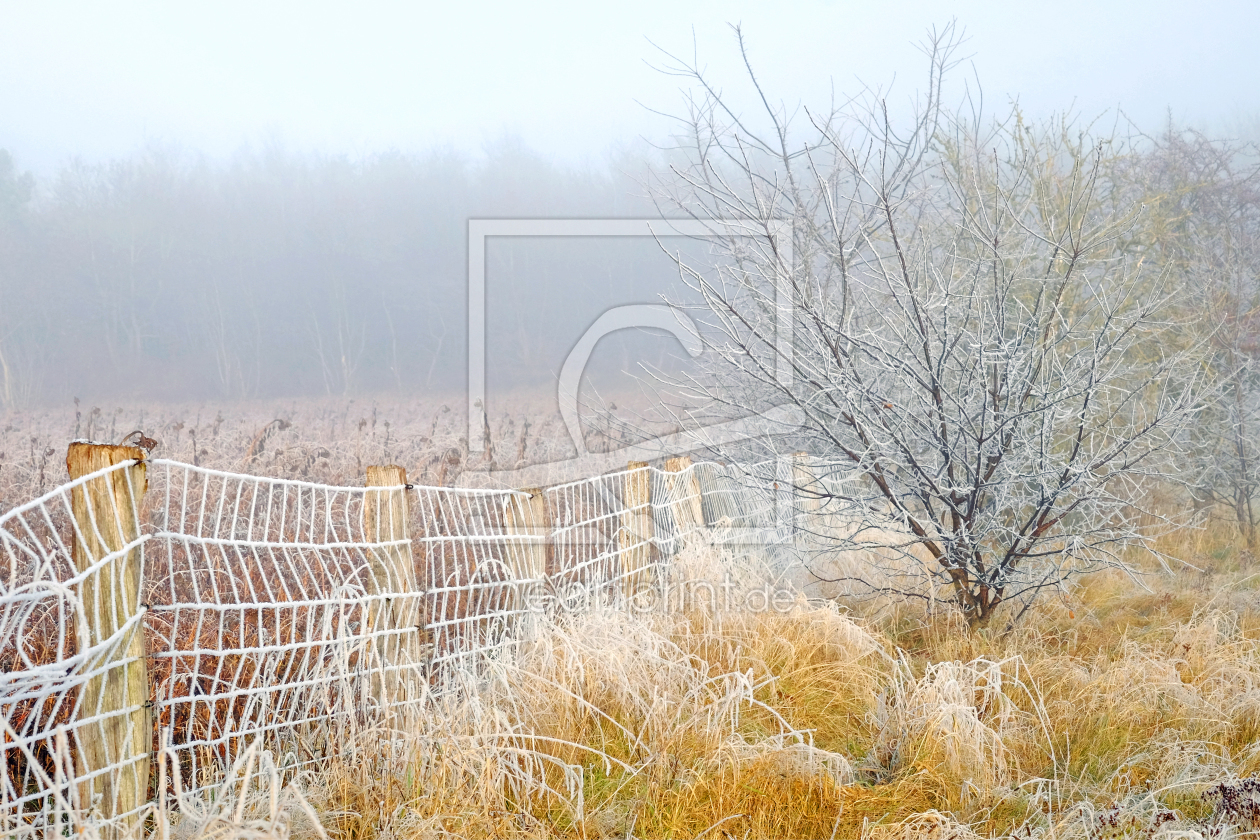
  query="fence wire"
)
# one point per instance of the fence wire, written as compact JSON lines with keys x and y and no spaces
{"x":287,"y":611}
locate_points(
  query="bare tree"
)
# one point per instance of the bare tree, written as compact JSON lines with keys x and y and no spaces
{"x":969,"y":336}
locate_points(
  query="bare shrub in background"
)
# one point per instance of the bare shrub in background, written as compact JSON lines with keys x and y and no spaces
{"x":1204,"y":200}
{"x":971,"y":332}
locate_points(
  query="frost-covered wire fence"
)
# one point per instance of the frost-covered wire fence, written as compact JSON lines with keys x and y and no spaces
{"x":156,"y":617}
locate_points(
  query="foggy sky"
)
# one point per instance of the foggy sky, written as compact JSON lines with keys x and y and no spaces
{"x":319,"y":246}
{"x":101,"y":80}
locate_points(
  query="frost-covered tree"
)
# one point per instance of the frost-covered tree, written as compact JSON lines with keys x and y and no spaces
{"x":970,"y":335}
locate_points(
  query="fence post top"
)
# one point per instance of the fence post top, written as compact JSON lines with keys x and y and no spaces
{"x":385,"y":475}
{"x":84,"y":458}
{"x":678,"y":463}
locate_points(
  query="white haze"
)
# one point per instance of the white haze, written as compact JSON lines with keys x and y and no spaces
{"x":246,"y":200}
{"x":98,"y":80}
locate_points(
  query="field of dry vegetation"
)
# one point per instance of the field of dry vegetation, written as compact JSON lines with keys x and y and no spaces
{"x":1127,"y":707}
{"x":329,"y":441}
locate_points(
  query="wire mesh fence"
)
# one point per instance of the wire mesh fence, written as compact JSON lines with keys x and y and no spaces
{"x":155,"y":608}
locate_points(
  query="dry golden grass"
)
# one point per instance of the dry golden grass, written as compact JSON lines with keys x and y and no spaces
{"x":1126,"y":709}
{"x":1116,"y":712}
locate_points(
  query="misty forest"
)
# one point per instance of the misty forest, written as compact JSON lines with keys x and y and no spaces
{"x":166,"y":276}
{"x":950,"y":531}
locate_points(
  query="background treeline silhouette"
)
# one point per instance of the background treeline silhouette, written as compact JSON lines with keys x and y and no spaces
{"x":168,"y":276}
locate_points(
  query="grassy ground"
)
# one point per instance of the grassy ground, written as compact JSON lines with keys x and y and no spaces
{"x":1125,"y":709}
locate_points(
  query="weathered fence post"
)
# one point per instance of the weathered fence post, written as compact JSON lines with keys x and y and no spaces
{"x":635,"y":535}
{"x":806,"y":484}
{"x":394,"y":612}
{"x":526,"y":520}
{"x":684,"y":498}
{"x":808,"y":492}
{"x":116,"y":736}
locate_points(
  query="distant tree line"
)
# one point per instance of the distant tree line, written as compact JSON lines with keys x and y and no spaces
{"x":165,"y":275}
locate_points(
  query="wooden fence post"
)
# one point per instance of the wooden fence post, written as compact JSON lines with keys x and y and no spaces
{"x":635,"y":535}
{"x":808,"y":491}
{"x":807,"y":487}
{"x":394,"y":612}
{"x":106,"y":513}
{"x":684,"y":497}
{"x":528,"y":557}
